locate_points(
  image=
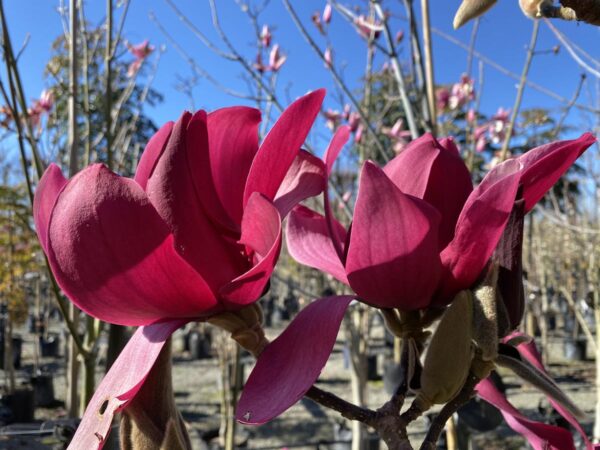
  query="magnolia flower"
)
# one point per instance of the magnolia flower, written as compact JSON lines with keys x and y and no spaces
{"x":328,"y":57}
{"x":366,"y":26}
{"x":46,"y":101}
{"x":265,"y":36}
{"x":462,"y":92}
{"x":327,"y":13}
{"x":316,"y":20}
{"x":420,"y":234}
{"x":332,"y":118}
{"x":276,"y":60}
{"x":195,"y":233}
{"x":140,"y":52}
{"x":442,"y":97}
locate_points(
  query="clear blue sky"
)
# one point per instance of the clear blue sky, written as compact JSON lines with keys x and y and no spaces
{"x":504,"y":34}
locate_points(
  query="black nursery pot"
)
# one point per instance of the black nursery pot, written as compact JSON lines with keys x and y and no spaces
{"x":50,"y":347}
{"x":199,"y":345}
{"x":21,"y":404}
{"x":43,"y":389}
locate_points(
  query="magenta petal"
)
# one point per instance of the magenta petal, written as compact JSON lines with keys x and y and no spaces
{"x":289,"y":365}
{"x":173,"y":191}
{"x":232,"y":145}
{"x":529,"y":352}
{"x":479,"y":228}
{"x":281,"y":145}
{"x":338,"y":141}
{"x":539,"y":435}
{"x":393,"y":258}
{"x":121,"y":384}
{"x":152,"y":153}
{"x":113,"y":255}
{"x":309,"y":242}
{"x":261,"y":233}
{"x":46,"y":194}
{"x":304,"y":179}
{"x":435,"y":172}
{"x":543,"y":166}
{"x":341,"y":136}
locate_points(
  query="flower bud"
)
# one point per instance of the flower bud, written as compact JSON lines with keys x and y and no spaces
{"x":449,"y":354}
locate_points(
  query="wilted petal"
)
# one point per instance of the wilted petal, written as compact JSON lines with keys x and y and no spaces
{"x":478,"y":229}
{"x":281,"y":146}
{"x":175,"y":193}
{"x":304,"y":179}
{"x":434,"y":172}
{"x":393,"y":258}
{"x":508,"y":255}
{"x":46,"y":194}
{"x":232,"y":145}
{"x":528,"y":351}
{"x":539,"y":435}
{"x":261,"y":234}
{"x":282,"y":376}
{"x":151,"y":154}
{"x":113,"y":255}
{"x":543,"y":166}
{"x":121,"y":384}
{"x":309,"y":242}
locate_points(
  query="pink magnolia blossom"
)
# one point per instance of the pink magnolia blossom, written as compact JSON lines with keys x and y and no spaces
{"x":462,"y":92}
{"x":266,"y":36}
{"x":328,"y":57}
{"x":366,"y":26}
{"x":326,"y":18}
{"x":276,"y":59}
{"x":442,"y":97}
{"x":333,"y":118}
{"x":420,"y":234}
{"x":140,"y":52}
{"x":196,"y":232}
{"x":399,"y":136}
{"x":46,"y":101}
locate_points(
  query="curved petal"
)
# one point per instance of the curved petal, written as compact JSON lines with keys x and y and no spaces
{"x":281,"y":145}
{"x":176,"y":195}
{"x":121,"y":384}
{"x":113,"y":255}
{"x":529,"y":352}
{"x":539,"y":435}
{"x":304,"y":179}
{"x":393,"y":258}
{"x":46,"y":194}
{"x":543,"y":166}
{"x":340,"y":138}
{"x":261,"y":234}
{"x":151,"y":154}
{"x":309,"y":242}
{"x":282,"y":376}
{"x":478,"y":230}
{"x":435,"y":172}
{"x":223,"y":169}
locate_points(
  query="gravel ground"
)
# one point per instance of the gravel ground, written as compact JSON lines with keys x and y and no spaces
{"x":306,"y":425}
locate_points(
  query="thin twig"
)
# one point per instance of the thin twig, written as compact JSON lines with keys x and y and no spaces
{"x":406,"y":104}
{"x":515,"y":112}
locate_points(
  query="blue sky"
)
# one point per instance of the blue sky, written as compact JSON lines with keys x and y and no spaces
{"x":503,"y":37}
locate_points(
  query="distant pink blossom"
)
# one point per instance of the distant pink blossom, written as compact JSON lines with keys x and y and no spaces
{"x":471,"y":115}
{"x":316,"y":20}
{"x":358,"y":135}
{"x":266,"y":36}
{"x":140,"y":52}
{"x":326,"y":18}
{"x":276,"y":59}
{"x":353,"y":120}
{"x":442,"y":97}
{"x":333,"y":118}
{"x":366,"y":26}
{"x":328,"y":56}
{"x":462,"y":92}
{"x":46,"y":100}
